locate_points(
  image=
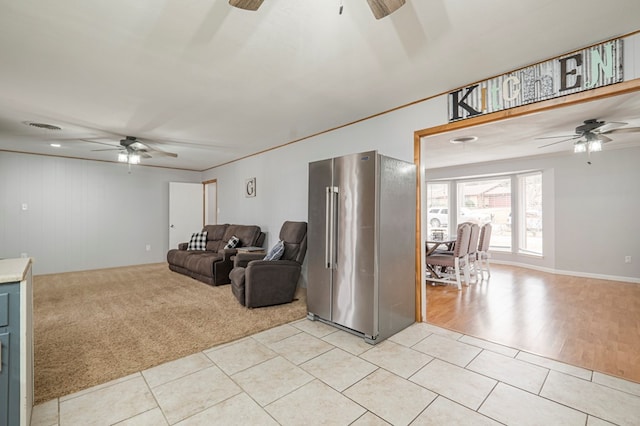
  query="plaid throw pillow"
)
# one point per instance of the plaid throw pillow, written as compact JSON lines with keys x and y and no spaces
{"x":276,"y":251}
{"x":198,"y":241}
{"x":232,"y":243}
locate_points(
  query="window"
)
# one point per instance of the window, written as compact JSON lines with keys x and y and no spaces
{"x":487,"y":201}
{"x":438,"y":211}
{"x":530,"y":213}
{"x":511,"y":203}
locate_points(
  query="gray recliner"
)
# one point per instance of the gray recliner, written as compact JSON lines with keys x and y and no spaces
{"x":256,"y":282}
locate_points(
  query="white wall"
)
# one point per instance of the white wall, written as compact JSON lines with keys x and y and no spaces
{"x":83,"y":214}
{"x":597,"y":210}
{"x":589,"y":211}
{"x":282,"y":174}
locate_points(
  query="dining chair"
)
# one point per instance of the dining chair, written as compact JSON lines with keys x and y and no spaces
{"x":451,"y":247}
{"x":452,"y":266}
{"x":473,"y":250}
{"x":483,"y":254}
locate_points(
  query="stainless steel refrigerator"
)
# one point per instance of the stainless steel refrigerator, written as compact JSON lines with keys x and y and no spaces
{"x":361,"y":244}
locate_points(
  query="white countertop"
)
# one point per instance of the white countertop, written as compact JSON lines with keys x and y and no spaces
{"x":12,"y":270}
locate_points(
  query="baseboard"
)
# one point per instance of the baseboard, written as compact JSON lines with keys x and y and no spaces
{"x":571,"y":273}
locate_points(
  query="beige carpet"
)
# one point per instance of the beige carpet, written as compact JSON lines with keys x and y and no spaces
{"x":91,"y":327}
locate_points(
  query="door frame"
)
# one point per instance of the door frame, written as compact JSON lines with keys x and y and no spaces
{"x":577,"y":98}
{"x":204,"y":200}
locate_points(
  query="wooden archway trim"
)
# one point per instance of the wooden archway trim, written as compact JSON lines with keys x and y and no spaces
{"x":577,"y":98}
{"x":204,"y":199}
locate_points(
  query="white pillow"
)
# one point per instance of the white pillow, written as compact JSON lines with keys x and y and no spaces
{"x":232,"y":243}
{"x":198,"y":241}
{"x":276,"y":251}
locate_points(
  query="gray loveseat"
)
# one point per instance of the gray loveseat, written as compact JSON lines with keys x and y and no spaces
{"x":212,"y":265}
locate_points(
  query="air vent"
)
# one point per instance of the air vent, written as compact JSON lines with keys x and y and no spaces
{"x":464,"y":139}
{"x":43,"y":125}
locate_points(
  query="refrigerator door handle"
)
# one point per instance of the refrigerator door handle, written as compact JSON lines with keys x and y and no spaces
{"x":334,"y":226}
{"x":328,"y":227}
{"x":330,"y":230}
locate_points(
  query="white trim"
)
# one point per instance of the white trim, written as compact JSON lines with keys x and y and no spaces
{"x":572,"y":273}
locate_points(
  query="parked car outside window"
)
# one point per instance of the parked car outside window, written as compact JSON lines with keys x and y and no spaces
{"x":474,"y":216}
{"x":438,"y":217}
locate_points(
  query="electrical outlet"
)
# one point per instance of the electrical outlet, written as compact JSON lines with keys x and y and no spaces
{"x":148,"y":247}
{"x":23,"y":255}
{"x":627,"y":259}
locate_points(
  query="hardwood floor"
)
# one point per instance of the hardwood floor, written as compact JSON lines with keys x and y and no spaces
{"x":585,"y":322}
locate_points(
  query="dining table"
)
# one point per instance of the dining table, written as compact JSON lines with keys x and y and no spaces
{"x":432,"y":244}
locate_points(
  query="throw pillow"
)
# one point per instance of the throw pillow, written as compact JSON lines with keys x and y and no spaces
{"x":276,"y":251}
{"x":232,"y":243}
{"x":198,"y":241}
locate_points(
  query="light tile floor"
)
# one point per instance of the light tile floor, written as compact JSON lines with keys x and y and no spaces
{"x":308,"y":372}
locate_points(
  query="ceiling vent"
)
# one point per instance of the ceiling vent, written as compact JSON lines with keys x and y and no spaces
{"x":464,"y":139}
{"x":43,"y":125}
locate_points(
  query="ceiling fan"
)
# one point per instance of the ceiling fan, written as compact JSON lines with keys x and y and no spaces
{"x":380,"y":8}
{"x":131,"y":150}
{"x":590,"y":135}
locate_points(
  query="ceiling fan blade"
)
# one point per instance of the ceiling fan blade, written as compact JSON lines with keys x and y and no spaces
{"x":160,"y":153}
{"x":107,"y":149}
{"x":382,"y":8}
{"x":609,"y":126}
{"x":555,"y":137}
{"x":100,"y":143}
{"x":141,"y":147}
{"x":622,"y":130}
{"x":557,"y":142}
{"x":603,"y":138}
{"x":246,"y":4}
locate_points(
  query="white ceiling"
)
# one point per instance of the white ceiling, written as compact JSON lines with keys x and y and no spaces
{"x":518,"y":137}
{"x":216,"y":83}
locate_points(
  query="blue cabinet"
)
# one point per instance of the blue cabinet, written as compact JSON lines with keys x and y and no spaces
{"x":16,"y":342}
{"x":9,"y":350}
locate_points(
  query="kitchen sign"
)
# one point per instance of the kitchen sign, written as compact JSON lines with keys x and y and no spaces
{"x":586,"y":69}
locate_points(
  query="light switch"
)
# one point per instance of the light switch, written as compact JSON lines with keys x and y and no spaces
{"x":24,"y":206}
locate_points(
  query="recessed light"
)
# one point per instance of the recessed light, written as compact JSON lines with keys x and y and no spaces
{"x":55,"y":145}
{"x":464,"y":139}
{"x":42,"y":125}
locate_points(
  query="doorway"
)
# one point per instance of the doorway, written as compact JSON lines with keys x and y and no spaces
{"x":185,"y":211}
{"x":423,"y":154}
{"x":211,"y":202}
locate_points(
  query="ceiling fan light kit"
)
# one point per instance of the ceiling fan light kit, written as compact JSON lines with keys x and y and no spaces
{"x":594,"y":146}
{"x":579,"y":147}
{"x":590,"y":135}
{"x":584,"y":146}
{"x":131,"y":150}
{"x":128,"y":157}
